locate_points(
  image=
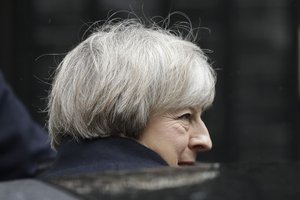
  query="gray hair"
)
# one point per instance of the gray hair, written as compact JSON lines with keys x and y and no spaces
{"x":123,"y":73}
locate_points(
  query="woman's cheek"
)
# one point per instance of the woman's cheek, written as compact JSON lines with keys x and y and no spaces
{"x":179,"y":129}
{"x":182,"y":137}
{"x":184,"y":127}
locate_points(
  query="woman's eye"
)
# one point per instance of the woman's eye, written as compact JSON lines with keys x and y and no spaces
{"x":186,"y":116}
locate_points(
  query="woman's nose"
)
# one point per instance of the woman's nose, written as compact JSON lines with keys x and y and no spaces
{"x":200,"y":139}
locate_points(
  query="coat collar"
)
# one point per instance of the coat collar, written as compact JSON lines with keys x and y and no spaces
{"x":104,"y":154}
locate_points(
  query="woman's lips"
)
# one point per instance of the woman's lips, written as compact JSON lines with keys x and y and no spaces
{"x":186,"y":163}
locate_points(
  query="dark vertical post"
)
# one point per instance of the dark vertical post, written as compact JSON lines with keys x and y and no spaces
{"x":23,"y":50}
{"x":295,"y":110}
{"x":6,"y":39}
{"x":231,"y":140}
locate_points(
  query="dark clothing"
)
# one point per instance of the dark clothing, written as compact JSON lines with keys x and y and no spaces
{"x":24,"y":146}
{"x":103,"y":154}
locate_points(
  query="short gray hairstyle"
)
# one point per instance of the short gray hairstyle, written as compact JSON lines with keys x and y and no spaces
{"x":121,"y":75}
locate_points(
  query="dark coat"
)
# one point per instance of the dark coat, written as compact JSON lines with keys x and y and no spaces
{"x":24,"y":145}
{"x":103,"y":154}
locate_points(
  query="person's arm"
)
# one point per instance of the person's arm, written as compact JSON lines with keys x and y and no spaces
{"x":24,"y":145}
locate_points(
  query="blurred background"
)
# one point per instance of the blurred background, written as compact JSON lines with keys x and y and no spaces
{"x":255,"y":47}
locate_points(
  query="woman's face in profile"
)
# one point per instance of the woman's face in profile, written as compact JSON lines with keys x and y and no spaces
{"x":177,"y":136}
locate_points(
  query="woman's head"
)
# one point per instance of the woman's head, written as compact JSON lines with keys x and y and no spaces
{"x":113,"y":82}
